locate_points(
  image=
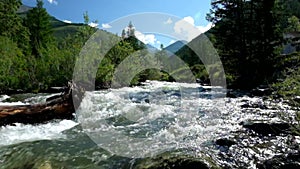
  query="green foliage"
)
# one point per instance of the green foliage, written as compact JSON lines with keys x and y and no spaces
{"x":289,"y":72}
{"x":293,"y":24}
{"x":10,"y":21}
{"x":290,"y":7}
{"x":85,"y":31}
{"x":12,"y":24}
{"x":124,"y":56}
{"x":62,"y":30}
{"x":38,"y":62}
{"x":12,"y":65}
{"x":288,"y":84}
{"x":290,"y":87}
{"x":247,"y":38}
{"x":188,"y":56}
{"x":201,"y":72}
{"x":38,"y":23}
{"x":105,"y":73}
{"x":129,"y":36}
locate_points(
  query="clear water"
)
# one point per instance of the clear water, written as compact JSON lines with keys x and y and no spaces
{"x":114,"y":127}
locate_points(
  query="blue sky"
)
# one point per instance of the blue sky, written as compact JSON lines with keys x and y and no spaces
{"x":108,"y":13}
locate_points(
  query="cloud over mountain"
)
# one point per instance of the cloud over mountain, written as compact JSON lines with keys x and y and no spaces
{"x":53,"y":2}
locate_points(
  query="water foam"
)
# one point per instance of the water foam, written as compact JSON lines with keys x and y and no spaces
{"x":149,"y":119}
{"x":24,"y":133}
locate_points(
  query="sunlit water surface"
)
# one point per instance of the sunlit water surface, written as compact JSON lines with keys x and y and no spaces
{"x":115,"y":126}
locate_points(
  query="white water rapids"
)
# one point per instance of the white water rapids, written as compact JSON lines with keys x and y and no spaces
{"x":148,"y":120}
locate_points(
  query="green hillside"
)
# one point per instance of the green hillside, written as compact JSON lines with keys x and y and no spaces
{"x":60,"y":28}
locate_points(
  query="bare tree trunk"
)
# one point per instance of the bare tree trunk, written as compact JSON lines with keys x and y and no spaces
{"x":57,"y":107}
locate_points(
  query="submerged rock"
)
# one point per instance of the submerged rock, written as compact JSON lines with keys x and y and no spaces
{"x":291,"y":161}
{"x":266,"y":129}
{"x":45,"y":165}
{"x":172,"y":161}
{"x":254,"y":105}
{"x":225,"y":142}
{"x":231,"y":93}
{"x":262,"y":91}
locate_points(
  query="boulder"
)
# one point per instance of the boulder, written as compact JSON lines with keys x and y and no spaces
{"x":225,"y":142}
{"x":172,"y":161}
{"x":262,"y":91}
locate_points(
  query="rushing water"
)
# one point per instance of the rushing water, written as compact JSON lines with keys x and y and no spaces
{"x":116,"y":126}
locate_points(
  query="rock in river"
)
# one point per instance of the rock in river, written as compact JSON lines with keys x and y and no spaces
{"x":225,"y":142}
{"x":171,"y":161}
{"x":291,"y":161}
{"x":266,"y":129}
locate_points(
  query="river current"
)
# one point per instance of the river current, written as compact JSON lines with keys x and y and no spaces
{"x":115,"y":127}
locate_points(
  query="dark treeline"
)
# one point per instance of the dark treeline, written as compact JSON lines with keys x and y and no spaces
{"x":258,"y":42}
{"x":250,"y":37}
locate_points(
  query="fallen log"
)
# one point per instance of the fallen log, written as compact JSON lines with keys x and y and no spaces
{"x":57,"y":107}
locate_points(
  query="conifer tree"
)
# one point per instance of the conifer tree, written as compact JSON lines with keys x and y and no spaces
{"x":40,"y":28}
{"x":12,"y":25}
{"x":129,"y":36}
{"x":247,"y":37}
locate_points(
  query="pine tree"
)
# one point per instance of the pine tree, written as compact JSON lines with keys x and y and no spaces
{"x":131,"y":30}
{"x":246,"y":36}
{"x":40,"y":28}
{"x":123,"y":34}
{"x":86,"y":31}
{"x":129,"y":36}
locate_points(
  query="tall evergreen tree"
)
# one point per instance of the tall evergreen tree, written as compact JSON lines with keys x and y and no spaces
{"x":246,"y":35}
{"x":129,"y":36}
{"x":123,"y":34}
{"x":85,"y":31}
{"x":39,"y":25}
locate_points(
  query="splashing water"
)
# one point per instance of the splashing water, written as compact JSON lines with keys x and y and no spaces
{"x":116,"y":125}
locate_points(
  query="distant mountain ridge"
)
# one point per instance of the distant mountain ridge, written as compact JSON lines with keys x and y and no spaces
{"x":176,"y":46}
{"x":62,"y":29}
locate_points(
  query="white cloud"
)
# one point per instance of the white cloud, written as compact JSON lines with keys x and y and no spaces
{"x":147,"y":39}
{"x":189,"y":19}
{"x":93,"y":24}
{"x":169,"y":21}
{"x":172,"y":41}
{"x":188,"y":30}
{"x":205,"y":28}
{"x":67,"y":21}
{"x":106,"y":26}
{"x":53,"y":2}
